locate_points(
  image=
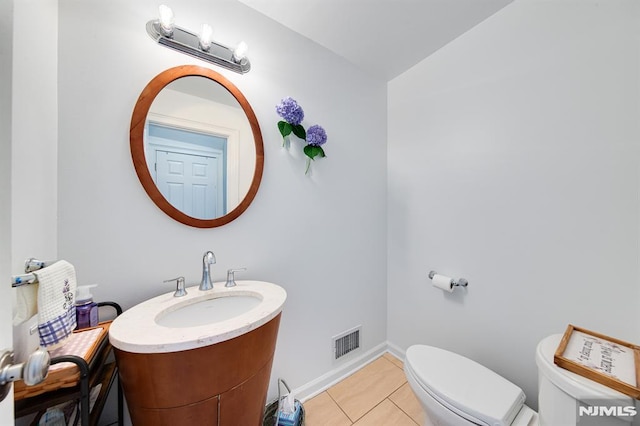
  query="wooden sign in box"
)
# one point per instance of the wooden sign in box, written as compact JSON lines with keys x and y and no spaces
{"x":606,"y":360}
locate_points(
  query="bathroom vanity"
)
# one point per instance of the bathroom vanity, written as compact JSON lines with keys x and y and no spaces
{"x":227,"y":381}
{"x":204,"y":358}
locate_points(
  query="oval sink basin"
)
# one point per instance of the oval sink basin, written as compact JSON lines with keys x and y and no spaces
{"x":208,"y":311}
{"x":201,"y":318}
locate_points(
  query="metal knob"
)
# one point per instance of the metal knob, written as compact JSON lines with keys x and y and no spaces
{"x":32,"y":372}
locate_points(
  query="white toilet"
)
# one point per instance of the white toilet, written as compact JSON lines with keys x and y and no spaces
{"x":456,"y":391}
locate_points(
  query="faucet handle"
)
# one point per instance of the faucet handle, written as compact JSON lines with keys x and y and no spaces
{"x":180,"y":290}
{"x":231,"y":282}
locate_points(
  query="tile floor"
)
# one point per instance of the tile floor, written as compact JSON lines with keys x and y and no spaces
{"x":375,"y":395}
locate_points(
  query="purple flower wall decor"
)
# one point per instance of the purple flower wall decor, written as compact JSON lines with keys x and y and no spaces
{"x":292,"y":115}
{"x":316,"y":136}
{"x":290,"y":111}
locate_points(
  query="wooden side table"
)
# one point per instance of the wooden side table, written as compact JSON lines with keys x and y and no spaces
{"x":81,"y":364}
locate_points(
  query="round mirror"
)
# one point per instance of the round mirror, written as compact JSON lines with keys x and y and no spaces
{"x":196,"y":146}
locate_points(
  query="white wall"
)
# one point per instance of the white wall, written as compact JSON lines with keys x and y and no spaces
{"x":6,"y":53}
{"x":322,"y":236}
{"x":513,"y":162}
{"x":28,"y":194}
{"x":34,"y":132}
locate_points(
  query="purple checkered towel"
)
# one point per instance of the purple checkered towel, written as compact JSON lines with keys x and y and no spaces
{"x":56,"y":307}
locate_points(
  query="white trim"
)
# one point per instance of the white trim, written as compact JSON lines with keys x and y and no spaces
{"x":396,"y":351}
{"x":324,"y":382}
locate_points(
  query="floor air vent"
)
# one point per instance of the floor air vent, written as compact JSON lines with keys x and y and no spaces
{"x":346,"y":342}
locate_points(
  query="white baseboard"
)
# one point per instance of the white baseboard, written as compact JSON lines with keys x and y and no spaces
{"x":396,"y":351}
{"x":324,"y":382}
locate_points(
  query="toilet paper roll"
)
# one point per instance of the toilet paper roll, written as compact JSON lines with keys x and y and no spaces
{"x":443,"y":282}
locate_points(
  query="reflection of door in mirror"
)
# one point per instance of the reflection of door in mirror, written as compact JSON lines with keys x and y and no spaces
{"x":204,"y":130}
{"x":189,"y":169}
{"x":196,"y":146}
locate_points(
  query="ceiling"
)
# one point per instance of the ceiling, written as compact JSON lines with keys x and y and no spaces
{"x":384,"y":37}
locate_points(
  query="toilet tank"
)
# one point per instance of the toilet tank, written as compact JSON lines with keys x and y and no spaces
{"x":566,"y":398}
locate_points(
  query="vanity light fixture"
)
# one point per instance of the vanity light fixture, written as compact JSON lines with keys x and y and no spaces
{"x":166,"y":33}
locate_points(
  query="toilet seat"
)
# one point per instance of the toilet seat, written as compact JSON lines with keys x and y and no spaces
{"x":465,"y":387}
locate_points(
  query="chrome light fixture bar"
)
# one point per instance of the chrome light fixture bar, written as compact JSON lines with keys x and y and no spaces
{"x":189,"y":43}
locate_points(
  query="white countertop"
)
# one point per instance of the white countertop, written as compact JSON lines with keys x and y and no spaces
{"x":136,"y":329}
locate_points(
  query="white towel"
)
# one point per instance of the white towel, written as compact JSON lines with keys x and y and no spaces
{"x":26,"y":303}
{"x":56,"y":307}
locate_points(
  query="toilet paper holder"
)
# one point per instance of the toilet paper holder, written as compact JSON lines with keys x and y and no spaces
{"x":460,"y":282}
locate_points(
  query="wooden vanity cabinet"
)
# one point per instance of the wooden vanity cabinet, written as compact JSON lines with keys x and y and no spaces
{"x":223,"y":384}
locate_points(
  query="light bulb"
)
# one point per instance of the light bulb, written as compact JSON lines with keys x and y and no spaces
{"x":240,"y":51}
{"x":166,"y":20}
{"x":205,"y":37}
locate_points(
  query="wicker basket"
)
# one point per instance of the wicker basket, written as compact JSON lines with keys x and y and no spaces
{"x":271,"y":410}
{"x":64,"y":375}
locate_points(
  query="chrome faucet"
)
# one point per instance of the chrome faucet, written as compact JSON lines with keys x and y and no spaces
{"x":208,"y":259}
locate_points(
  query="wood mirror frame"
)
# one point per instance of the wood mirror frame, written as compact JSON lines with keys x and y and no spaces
{"x":136,"y":137}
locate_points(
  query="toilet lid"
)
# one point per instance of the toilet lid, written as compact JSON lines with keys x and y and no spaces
{"x":464,"y":386}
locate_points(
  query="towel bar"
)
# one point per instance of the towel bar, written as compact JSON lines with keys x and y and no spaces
{"x":33,"y":264}
{"x":20,"y":280}
{"x":30,"y":265}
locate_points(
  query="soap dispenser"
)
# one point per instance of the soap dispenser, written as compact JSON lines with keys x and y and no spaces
{"x":86,"y":308}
